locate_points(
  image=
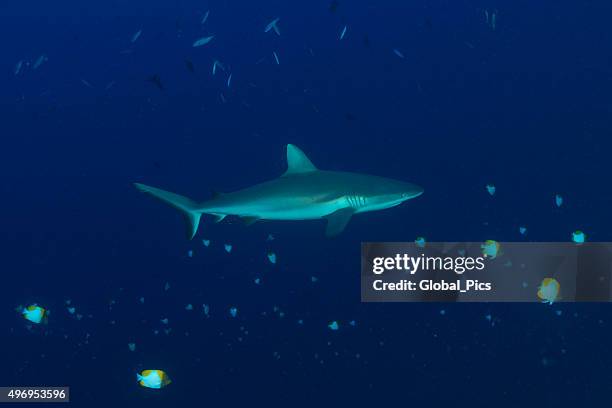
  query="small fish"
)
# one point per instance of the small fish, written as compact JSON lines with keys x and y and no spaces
{"x":398,"y":53}
{"x":205,"y":17}
{"x":523,"y":230}
{"x":165,"y":321}
{"x":490,"y":249}
{"x":189,"y":307}
{"x":343,"y":33}
{"x":155,"y":379}
{"x":558,"y":200}
{"x":334,"y":325}
{"x":35,"y":314}
{"x":215,"y":65}
{"x":578,"y":237}
{"x":490,"y":189}
{"x":206,"y":242}
{"x":18,"y":67}
{"x":228,"y":248}
{"x":206,"y":310}
{"x":548,"y":292}
{"x":420,"y":242}
{"x":273,"y":25}
{"x":333,"y":6}
{"x":132,"y":346}
{"x":156,"y":80}
{"x":136,"y":36}
{"x":276,"y":57}
{"x":190,"y":253}
{"x":272,"y":257}
{"x":43,"y":58}
{"x":233,"y":311}
{"x":257,"y":281}
{"x":87,"y":84}
{"x":167,"y":286}
{"x":366,"y":41}
{"x":109,"y":85}
{"x":71,"y":310}
{"x":229,"y":80}
{"x":189,"y":66}
{"x":203,"y":41}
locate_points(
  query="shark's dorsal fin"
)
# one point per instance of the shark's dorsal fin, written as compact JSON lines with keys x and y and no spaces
{"x":297,"y":162}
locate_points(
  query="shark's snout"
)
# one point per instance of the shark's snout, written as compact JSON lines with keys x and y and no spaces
{"x":412,"y":191}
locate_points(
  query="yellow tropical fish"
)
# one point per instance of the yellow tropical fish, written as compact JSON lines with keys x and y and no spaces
{"x":35,"y":314}
{"x":420,"y":242}
{"x":548,"y":291}
{"x":490,"y":249}
{"x":153,"y":379}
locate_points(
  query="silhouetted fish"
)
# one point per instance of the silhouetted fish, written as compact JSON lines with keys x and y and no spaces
{"x":334,"y":6}
{"x":366,"y":40}
{"x":156,"y":80}
{"x":189,"y":65}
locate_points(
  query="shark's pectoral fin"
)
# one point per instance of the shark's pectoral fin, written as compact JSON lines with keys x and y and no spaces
{"x":249,"y":220}
{"x":337,"y":220}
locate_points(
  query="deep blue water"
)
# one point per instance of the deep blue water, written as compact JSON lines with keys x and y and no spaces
{"x":525,"y":106}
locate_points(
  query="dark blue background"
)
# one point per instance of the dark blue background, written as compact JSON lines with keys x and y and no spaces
{"x":526,"y":107}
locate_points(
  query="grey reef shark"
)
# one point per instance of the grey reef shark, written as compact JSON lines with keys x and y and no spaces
{"x":303,"y":192}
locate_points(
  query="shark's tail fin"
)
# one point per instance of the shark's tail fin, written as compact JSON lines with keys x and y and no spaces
{"x":185,"y":205}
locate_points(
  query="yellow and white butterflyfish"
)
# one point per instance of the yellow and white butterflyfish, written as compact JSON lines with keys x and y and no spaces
{"x":548,"y":291}
{"x":578,"y":237}
{"x":35,"y":314}
{"x":490,"y":249}
{"x":153,"y":379}
{"x":420,"y":242}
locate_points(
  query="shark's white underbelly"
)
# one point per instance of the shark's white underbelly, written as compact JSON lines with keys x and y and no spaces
{"x":288,"y":209}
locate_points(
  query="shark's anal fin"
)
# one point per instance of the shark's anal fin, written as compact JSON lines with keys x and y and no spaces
{"x":219,"y":217}
{"x":249,"y":220}
{"x":297,"y":161}
{"x":336,"y":221}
